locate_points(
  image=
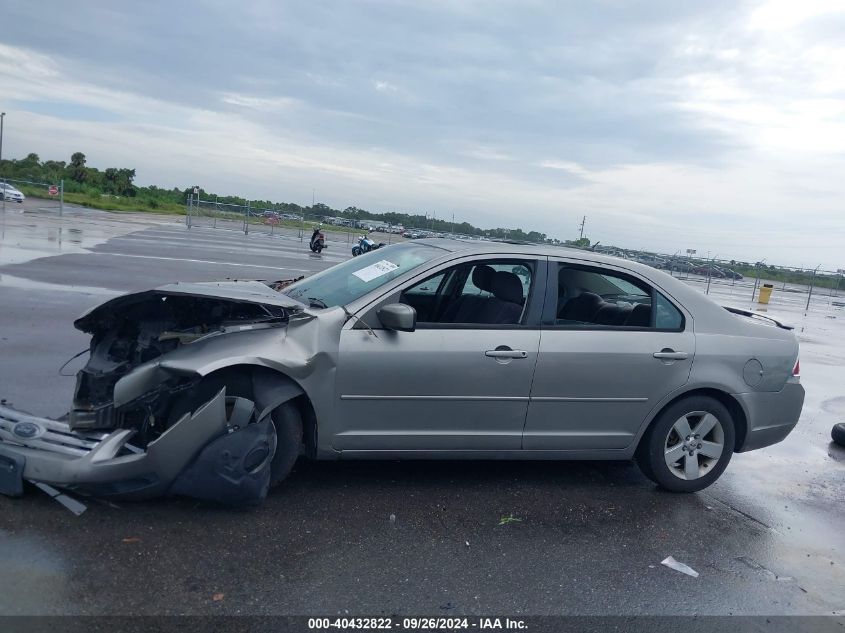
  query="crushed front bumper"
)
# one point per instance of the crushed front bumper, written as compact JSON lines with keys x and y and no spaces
{"x":107,"y":464}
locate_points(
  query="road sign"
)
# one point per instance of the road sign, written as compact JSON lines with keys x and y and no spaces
{"x":53,"y":190}
{"x":196,"y":191}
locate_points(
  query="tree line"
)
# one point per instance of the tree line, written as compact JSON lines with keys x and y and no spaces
{"x":114,"y":187}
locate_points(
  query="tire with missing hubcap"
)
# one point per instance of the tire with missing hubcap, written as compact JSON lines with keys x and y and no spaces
{"x":689,"y":445}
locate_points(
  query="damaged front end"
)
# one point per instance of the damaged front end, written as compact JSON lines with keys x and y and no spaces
{"x":141,"y":428}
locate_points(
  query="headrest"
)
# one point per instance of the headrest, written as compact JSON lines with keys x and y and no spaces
{"x":507,"y":287}
{"x":582,"y":308}
{"x":640,"y":316}
{"x":482,"y":277}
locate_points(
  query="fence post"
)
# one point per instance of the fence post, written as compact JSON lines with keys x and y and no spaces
{"x":810,"y":294}
{"x":756,"y":281}
{"x":189,"y":207}
{"x":246,"y":219}
{"x":61,"y":197}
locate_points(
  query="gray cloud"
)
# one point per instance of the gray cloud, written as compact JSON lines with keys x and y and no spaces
{"x":670,"y":115}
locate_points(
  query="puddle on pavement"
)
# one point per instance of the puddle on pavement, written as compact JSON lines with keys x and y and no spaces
{"x":22,"y":241}
{"x":27,"y":563}
{"x":9,"y":281}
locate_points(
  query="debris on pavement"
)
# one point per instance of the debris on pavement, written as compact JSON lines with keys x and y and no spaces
{"x":393,"y":518}
{"x":671,"y":563}
{"x":69,"y":502}
{"x":509,"y":519}
{"x":218,"y":597}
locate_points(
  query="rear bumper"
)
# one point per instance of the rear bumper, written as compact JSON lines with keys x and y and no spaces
{"x":104,"y":464}
{"x":770,"y":416}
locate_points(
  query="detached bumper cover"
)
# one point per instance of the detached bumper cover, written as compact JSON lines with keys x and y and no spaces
{"x":106,"y":464}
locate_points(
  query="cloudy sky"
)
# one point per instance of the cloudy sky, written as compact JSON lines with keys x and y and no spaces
{"x":715,"y":125}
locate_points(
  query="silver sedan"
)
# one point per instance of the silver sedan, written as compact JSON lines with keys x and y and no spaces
{"x":436,"y":349}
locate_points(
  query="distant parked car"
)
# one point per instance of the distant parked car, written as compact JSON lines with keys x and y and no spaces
{"x":8,"y":192}
{"x":731,"y":274}
{"x":650,"y":260}
{"x":678,"y":265}
{"x":708,"y":270}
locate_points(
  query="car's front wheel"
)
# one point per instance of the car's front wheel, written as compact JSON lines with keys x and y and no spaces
{"x":689,"y":445}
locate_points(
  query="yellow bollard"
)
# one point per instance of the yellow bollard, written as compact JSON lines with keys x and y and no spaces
{"x":765,"y":293}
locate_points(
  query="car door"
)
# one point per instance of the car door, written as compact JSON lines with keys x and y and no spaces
{"x":450,"y":385}
{"x":611,"y":347}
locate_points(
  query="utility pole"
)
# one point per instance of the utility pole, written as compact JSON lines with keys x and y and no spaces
{"x":2,"y":116}
{"x":583,"y":222}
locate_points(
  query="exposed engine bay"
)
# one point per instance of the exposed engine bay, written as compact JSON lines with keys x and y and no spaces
{"x":143,"y":421}
{"x":139,"y":332}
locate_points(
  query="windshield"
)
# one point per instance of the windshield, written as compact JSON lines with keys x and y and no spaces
{"x":342,"y":284}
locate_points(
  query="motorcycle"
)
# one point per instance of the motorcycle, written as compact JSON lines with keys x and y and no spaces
{"x":318,"y":241}
{"x":365,"y":245}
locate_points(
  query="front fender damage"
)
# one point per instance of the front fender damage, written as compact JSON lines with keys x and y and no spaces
{"x":220,"y":452}
{"x":152,"y":414}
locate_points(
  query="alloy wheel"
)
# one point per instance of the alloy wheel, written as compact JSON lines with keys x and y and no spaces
{"x":694,"y":445}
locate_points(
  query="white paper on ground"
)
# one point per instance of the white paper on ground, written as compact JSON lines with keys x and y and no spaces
{"x":375,"y":270}
{"x":671,"y":563}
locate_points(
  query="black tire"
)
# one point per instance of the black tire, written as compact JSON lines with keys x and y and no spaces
{"x":837,"y":433}
{"x":651,"y":450}
{"x":288,"y":422}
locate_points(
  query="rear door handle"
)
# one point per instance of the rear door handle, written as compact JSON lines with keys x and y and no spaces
{"x":670,"y":354}
{"x":506,"y":353}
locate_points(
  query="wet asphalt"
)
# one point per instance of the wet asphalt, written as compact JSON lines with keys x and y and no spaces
{"x":392,"y":538}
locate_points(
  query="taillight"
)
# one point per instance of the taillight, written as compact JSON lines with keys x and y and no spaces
{"x":796,"y":371}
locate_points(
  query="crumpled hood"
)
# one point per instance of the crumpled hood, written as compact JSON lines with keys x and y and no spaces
{"x":255,"y":292}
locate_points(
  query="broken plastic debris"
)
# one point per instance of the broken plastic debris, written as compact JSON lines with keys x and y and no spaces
{"x":69,"y":502}
{"x":217,"y":597}
{"x":671,"y":563}
{"x":393,"y":518}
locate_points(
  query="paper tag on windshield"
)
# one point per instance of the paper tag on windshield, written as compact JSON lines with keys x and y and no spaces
{"x":375,"y":270}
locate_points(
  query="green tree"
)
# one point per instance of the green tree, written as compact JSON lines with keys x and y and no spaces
{"x":78,"y":172}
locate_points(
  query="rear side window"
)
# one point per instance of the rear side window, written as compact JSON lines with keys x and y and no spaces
{"x":590,"y":297}
{"x":666,"y":315}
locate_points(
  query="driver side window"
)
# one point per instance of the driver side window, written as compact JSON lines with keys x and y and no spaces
{"x":490,"y":292}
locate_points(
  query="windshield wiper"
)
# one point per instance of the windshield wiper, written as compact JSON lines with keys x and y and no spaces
{"x":314,"y":302}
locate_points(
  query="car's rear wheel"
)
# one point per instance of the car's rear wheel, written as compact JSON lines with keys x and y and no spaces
{"x":689,"y":445}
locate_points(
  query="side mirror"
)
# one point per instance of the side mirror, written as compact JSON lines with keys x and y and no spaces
{"x":398,"y":316}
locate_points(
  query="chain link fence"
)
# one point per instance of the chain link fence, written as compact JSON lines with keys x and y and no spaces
{"x":31,"y":195}
{"x":276,"y":222}
{"x":755,"y":283}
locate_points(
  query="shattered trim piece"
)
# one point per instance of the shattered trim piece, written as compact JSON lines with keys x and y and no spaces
{"x":69,"y":502}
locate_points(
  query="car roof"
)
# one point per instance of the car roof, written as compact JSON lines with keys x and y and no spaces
{"x":528,"y":249}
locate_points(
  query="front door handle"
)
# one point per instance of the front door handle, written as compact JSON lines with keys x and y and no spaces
{"x":506,"y":353}
{"x":670,"y":354}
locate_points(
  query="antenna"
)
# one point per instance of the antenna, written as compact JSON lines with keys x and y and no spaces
{"x":583,"y":222}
